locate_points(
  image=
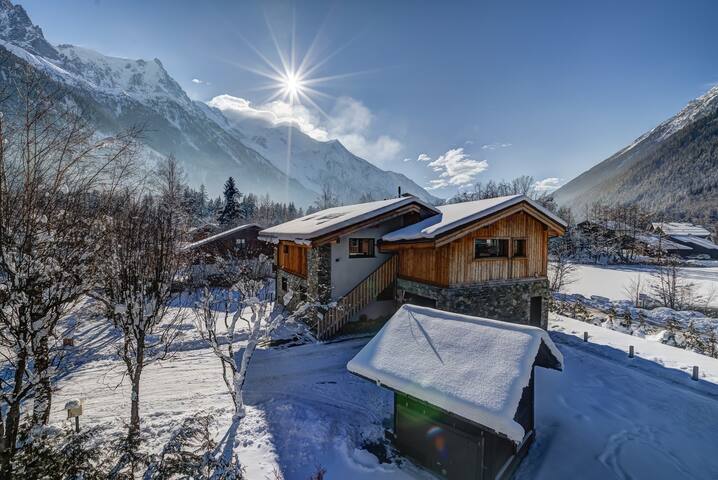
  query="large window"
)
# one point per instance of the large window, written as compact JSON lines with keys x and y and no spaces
{"x":361,"y":247}
{"x":519,"y":249}
{"x":491,"y":248}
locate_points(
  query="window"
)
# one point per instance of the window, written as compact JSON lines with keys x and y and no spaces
{"x":285,"y":287}
{"x":240,"y":243}
{"x":491,"y":247}
{"x":286,"y":249}
{"x":361,"y":247}
{"x":519,"y":247}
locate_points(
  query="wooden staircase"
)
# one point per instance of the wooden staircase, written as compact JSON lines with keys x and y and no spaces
{"x":359,"y":297}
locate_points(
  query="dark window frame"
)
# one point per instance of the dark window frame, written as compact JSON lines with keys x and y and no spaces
{"x":499,"y":241}
{"x":285,"y":284}
{"x":370,"y":251}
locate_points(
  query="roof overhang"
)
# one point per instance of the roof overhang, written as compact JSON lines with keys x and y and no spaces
{"x":553,"y":228}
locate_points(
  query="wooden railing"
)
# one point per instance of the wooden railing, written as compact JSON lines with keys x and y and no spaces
{"x":358,"y":298}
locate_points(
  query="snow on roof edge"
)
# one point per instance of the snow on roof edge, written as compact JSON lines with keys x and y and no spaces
{"x":219,"y":235}
{"x":423,"y":230}
{"x":275,"y":232}
{"x":367,"y":363}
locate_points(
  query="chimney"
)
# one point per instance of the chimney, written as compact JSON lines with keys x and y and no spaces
{"x":399,"y":188}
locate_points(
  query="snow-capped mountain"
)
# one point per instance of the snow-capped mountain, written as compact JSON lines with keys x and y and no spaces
{"x":117,"y":93}
{"x":313,"y":163}
{"x":672,"y":169}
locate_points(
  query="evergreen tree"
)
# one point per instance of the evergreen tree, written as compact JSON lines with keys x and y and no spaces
{"x":230,"y":212}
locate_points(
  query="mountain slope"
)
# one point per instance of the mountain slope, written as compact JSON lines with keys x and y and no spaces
{"x":672,"y":170}
{"x":117,"y":93}
{"x":318,"y":164}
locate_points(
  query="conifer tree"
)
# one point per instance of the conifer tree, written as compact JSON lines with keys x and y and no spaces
{"x":230,"y":212}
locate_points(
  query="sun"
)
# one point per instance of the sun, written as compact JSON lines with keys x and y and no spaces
{"x":292,"y":85}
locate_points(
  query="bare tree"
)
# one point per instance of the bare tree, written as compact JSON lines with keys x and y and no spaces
{"x":669,"y":286}
{"x":561,"y":268}
{"x":55,"y":173}
{"x":141,"y":258}
{"x":635,"y":289}
{"x":220,"y":312}
{"x":327,"y":198}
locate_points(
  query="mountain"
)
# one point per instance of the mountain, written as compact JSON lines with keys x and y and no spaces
{"x":671,"y":170}
{"x":117,"y":93}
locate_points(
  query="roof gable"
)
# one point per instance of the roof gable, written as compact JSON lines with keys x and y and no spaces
{"x":473,"y":367}
{"x":457,"y":215}
{"x":221,"y":235}
{"x":326,"y":222}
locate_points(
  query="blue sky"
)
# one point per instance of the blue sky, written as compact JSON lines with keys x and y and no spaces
{"x":485,"y":90}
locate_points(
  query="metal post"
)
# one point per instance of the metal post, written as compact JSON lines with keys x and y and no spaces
{"x":585,"y":336}
{"x":77,"y":424}
{"x":695,"y":372}
{"x":630,"y":351}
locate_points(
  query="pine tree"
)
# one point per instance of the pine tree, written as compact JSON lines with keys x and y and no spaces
{"x":230,"y":212}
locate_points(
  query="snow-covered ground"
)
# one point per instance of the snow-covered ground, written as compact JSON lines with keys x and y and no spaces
{"x":604,"y":416}
{"x":611,"y":280}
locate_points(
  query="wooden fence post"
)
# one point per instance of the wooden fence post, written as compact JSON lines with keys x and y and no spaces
{"x":630,"y":351}
{"x":585,"y":336}
{"x":695,"y":372}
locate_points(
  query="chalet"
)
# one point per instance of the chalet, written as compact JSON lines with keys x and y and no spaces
{"x":463,"y":388}
{"x":236,"y":243}
{"x":695,"y":240}
{"x":486,"y":258}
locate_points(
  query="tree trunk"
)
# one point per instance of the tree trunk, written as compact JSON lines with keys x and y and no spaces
{"x":8,"y":443}
{"x":43,"y":390}
{"x":239,"y":378}
{"x":135,"y":378}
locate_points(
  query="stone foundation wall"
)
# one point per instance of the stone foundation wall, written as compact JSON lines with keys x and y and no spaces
{"x":295,"y":283}
{"x":509,"y":301}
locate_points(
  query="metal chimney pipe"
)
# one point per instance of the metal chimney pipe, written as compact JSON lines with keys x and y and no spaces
{"x":399,"y":189}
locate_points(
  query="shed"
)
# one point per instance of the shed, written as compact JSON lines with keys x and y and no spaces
{"x":463,"y":388}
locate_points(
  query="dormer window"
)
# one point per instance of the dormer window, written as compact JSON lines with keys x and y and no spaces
{"x":361,"y":247}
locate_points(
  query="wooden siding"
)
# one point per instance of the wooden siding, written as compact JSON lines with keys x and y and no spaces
{"x":454,"y":263}
{"x":292,"y":258}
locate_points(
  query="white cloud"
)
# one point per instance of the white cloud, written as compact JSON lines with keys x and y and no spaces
{"x":547,"y":184}
{"x":457,"y":169}
{"x":495,"y":146}
{"x":349,"y":121}
{"x":199,"y":82}
{"x":407,"y":159}
{"x":424,"y":157}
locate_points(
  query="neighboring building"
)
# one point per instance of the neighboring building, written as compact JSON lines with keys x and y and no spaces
{"x":463,"y":388}
{"x":680,"y":228}
{"x":696,"y":240}
{"x":487,"y":258}
{"x":236,"y":243}
{"x":657,"y":245}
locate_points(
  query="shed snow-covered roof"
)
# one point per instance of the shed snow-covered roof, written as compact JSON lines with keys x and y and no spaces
{"x":327,"y":221}
{"x":473,"y":367}
{"x":699,"y":241}
{"x":665,"y":244}
{"x":680,"y":228}
{"x":220,"y":235}
{"x":457,"y":214}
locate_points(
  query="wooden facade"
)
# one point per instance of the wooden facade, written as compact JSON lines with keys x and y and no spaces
{"x":453,"y":263}
{"x":292,"y":258}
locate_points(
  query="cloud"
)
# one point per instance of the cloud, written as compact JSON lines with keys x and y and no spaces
{"x":469,"y":142}
{"x":197,"y":81}
{"x":456,"y":169}
{"x":547,"y":184}
{"x":494,"y":146}
{"x":423,"y":157}
{"x":349,"y":121}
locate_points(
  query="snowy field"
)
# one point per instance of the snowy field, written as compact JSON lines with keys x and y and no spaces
{"x":605,"y":416}
{"x":611,"y":280}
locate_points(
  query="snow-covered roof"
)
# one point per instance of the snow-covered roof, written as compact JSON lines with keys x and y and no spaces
{"x":701,"y":242}
{"x":326,"y":221}
{"x":655,"y":241}
{"x":680,"y":228}
{"x":220,"y":235}
{"x":473,"y":367}
{"x":457,"y":214}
